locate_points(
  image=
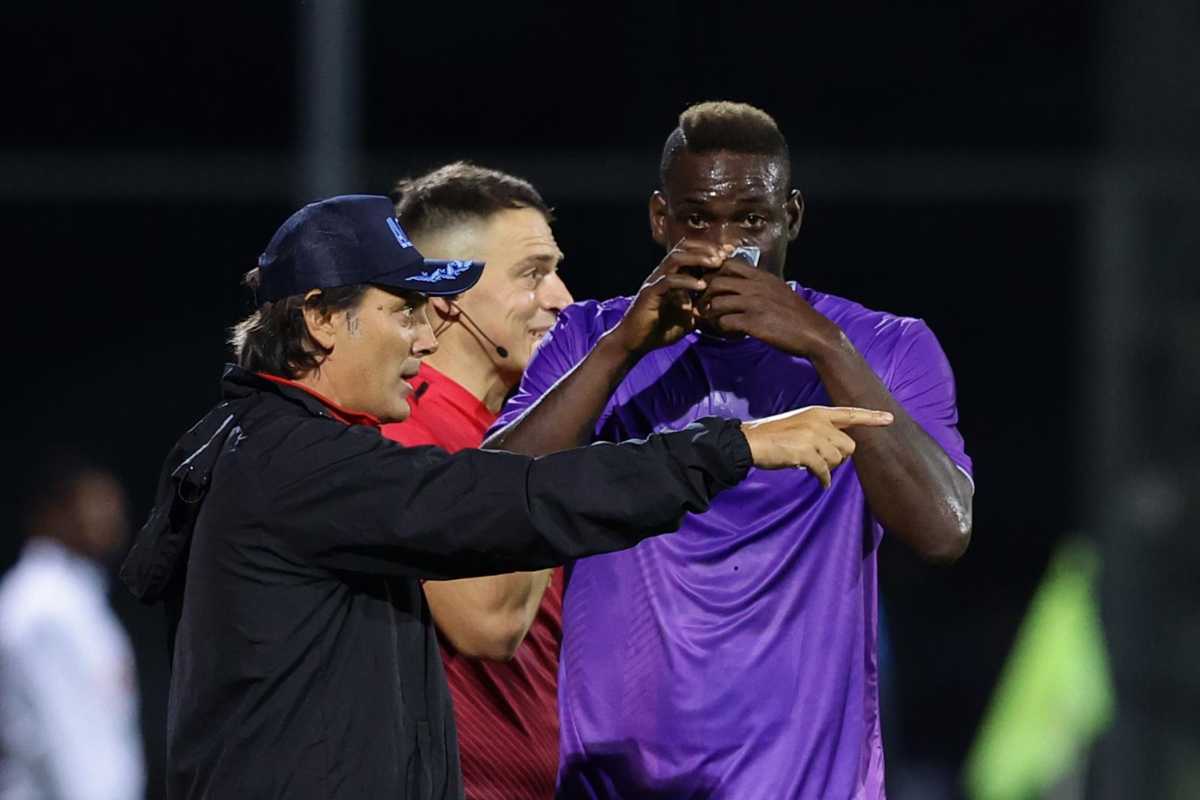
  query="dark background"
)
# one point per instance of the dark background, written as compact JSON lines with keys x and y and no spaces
{"x":1022,"y":175}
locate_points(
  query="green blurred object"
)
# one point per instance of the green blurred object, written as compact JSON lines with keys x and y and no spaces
{"x":1055,"y":694}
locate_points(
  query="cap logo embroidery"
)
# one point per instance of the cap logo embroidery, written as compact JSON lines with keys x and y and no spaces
{"x":398,"y":232}
{"x":449,"y":271}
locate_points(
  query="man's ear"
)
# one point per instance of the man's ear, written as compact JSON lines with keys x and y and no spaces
{"x":794,"y":208}
{"x":444,"y":307}
{"x":658,"y":220}
{"x":320,"y":325}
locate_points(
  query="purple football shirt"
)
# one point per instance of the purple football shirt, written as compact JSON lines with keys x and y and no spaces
{"x":737,"y":657}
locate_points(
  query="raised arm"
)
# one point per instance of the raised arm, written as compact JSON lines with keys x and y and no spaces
{"x":912,"y":486}
{"x":662,"y":313}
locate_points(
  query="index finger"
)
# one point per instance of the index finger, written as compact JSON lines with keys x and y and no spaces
{"x":848,"y":416}
{"x":739,"y":268}
{"x":686,"y":245}
{"x":700,"y":246}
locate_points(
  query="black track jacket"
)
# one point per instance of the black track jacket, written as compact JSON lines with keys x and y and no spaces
{"x":289,"y":547}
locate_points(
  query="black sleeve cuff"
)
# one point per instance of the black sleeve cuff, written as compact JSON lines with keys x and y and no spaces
{"x":731,"y":460}
{"x":734,"y":443}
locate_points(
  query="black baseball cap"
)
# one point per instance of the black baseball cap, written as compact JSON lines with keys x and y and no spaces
{"x":352,"y":239}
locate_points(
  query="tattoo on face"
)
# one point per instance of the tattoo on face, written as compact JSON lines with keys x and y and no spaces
{"x":352,"y":323}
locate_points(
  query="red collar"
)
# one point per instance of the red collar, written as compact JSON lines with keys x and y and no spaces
{"x":340,"y":414}
{"x":454,"y":393}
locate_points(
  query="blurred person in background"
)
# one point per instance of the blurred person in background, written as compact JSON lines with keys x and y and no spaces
{"x":738,"y":658}
{"x":506,"y":713}
{"x":68,"y":691}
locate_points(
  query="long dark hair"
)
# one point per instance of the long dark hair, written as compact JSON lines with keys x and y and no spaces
{"x":275,"y":339}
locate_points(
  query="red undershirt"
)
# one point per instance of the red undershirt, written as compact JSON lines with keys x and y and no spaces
{"x":338,"y":412}
{"x":506,"y":713}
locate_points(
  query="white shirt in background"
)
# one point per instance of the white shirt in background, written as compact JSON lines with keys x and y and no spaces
{"x":68,"y":690}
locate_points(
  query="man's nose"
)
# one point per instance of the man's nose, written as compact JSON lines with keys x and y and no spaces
{"x":729,"y":233}
{"x":719,"y":234}
{"x":426,"y":343}
{"x":554,"y":294}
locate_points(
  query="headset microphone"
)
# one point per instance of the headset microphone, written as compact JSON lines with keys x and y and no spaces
{"x":500,"y":351}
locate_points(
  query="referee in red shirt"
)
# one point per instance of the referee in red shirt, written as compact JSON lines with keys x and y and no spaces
{"x":504,"y":691}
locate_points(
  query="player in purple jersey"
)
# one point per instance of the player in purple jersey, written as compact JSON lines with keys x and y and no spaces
{"x":737,"y":659}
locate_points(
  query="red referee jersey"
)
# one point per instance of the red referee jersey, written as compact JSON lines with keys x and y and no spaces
{"x":506,"y":713}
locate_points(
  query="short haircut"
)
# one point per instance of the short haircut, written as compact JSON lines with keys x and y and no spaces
{"x":275,"y":338}
{"x":460,"y":192}
{"x":723,"y":125}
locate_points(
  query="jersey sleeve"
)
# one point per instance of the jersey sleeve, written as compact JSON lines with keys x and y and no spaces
{"x":923,"y":383}
{"x":578,"y":329}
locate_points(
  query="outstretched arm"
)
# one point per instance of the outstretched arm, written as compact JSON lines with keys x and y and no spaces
{"x":420,"y":512}
{"x":361,"y":504}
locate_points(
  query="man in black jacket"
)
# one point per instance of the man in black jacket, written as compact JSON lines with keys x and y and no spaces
{"x":289,"y":538}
